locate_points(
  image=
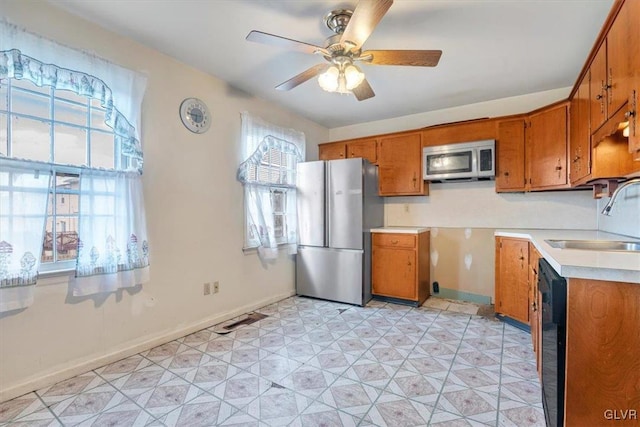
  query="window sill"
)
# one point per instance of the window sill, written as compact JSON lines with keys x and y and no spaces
{"x":56,"y":273}
{"x":254,"y":249}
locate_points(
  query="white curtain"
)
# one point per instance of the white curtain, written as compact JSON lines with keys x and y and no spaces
{"x":113,"y":248}
{"x":270,"y":190}
{"x":43,"y":61}
{"x":24,"y":191}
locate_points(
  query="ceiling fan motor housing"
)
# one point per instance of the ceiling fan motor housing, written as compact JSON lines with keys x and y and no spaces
{"x":337,"y":20}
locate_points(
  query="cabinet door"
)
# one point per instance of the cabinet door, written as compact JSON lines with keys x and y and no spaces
{"x":400,"y":165}
{"x":534,"y":314}
{"x":580,"y":135}
{"x":510,"y":156}
{"x":332,"y":151}
{"x":394,"y":273}
{"x":512,"y":274}
{"x":602,"y":348}
{"x":619,"y":59}
{"x":548,"y":148}
{"x":597,"y":84}
{"x":634,"y":122}
{"x":367,"y":149}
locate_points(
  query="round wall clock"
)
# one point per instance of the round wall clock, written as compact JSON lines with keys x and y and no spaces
{"x":195,"y":115}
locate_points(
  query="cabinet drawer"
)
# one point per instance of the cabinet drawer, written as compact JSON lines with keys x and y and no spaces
{"x":394,"y":240}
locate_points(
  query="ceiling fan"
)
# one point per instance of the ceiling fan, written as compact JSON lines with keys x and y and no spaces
{"x":351,"y":28}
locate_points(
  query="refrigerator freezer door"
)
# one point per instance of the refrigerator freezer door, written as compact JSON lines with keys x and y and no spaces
{"x":310,"y":183}
{"x":331,"y":274}
{"x":344,"y":203}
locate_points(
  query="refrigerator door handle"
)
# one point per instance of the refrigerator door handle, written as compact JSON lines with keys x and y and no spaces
{"x":327,"y":205}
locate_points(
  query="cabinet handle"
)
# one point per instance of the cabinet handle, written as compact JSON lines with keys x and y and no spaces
{"x":576,"y":159}
{"x":599,"y":97}
{"x":394,"y":242}
{"x":533,"y":306}
{"x":559,"y":168}
{"x":409,"y":263}
{"x":506,"y":174}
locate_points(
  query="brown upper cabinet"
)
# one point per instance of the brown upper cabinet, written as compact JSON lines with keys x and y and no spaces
{"x":580,"y":133}
{"x":400,"y":165}
{"x":546,"y":147}
{"x":611,"y":70}
{"x":510,"y":162}
{"x":332,"y":151}
{"x":365,"y":148}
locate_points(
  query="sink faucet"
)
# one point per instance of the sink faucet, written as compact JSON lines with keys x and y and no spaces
{"x":612,"y":200}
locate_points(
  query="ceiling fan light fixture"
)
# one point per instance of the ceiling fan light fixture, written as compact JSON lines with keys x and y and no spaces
{"x":341,"y":79}
{"x":353,"y":76}
{"x":329,"y":80}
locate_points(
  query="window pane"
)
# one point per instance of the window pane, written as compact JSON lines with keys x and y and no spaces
{"x":27,"y":84}
{"x":278,"y":226}
{"x":30,"y":139}
{"x":29,"y":103}
{"x":71,"y":96}
{"x":66,"y":237}
{"x":70,"y":113}
{"x":71,"y":145}
{"x":97,"y":120}
{"x":102,"y":150}
{"x":4,"y":93}
{"x":47,"y":246}
{"x":67,"y":204}
{"x":67,"y":181}
{"x":3,"y":134}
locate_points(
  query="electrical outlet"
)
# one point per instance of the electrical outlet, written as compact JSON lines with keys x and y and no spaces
{"x":216,"y":287}
{"x":406,"y":208}
{"x":206,"y":289}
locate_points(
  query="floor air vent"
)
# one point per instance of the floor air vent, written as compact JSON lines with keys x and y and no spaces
{"x":232,"y":325}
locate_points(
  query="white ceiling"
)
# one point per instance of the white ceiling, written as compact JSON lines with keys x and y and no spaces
{"x":491,"y":48}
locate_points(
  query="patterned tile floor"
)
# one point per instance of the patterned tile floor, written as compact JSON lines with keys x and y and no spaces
{"x":310,"y":363}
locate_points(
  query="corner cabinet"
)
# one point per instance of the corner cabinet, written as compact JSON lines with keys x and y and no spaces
{"x":400,"y":266}
{"x":512,"y":278}
{"x":400,"y":165}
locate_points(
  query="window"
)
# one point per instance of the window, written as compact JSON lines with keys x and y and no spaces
{"x":56,"y":126}
{"x":70,"y":169}
{"x":276,"y":173}
{"x":268,"y":174}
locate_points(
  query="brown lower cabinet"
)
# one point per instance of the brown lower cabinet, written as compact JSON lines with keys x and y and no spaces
{"x":400,"y":266}
{"x":512,"y":278}
{"x":603,"y":353}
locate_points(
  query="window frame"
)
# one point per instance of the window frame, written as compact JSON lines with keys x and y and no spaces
{"x":90,"y":129}
{"x":285,"y":167}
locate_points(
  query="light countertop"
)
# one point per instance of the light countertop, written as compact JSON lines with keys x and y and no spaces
{"x":583,"y":264}
{"x":406,"y":230}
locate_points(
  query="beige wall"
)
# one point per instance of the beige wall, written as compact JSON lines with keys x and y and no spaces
{"x":462,"y":259}
{"x":194,"y":212}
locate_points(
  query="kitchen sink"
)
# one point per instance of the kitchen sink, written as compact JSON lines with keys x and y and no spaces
{"x":596,"y":245}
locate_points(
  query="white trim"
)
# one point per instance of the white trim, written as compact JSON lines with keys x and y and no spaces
{"x":80,"y":366}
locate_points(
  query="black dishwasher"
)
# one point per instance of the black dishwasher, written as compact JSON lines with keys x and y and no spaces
{"x":553,"y":289}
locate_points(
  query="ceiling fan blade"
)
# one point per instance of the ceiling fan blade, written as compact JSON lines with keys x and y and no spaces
{"x":273,"y":40}
{"x":420,"y":58}
{"x":302,"y":77}
{"x":366,"y":16}
{"x":363,"y":91}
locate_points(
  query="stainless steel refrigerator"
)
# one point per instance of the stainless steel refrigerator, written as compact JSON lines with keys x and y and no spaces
{"x":338,"y":205}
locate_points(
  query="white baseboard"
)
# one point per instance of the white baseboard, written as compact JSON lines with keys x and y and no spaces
{"x":80,"y":366}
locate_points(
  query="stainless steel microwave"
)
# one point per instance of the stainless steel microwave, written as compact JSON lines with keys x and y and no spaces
{"x":467,"y":161}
